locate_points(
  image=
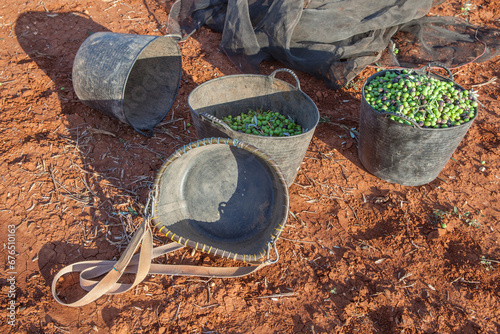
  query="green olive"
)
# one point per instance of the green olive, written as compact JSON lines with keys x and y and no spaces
{"x":263,"y":123}
{"x":424,"y":99}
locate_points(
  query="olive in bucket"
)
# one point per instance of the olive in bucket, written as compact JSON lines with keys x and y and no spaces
{"x":411,"y":122}
{"x":133,"y":78}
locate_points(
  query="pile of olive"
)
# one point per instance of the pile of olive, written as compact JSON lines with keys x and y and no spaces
{"x":427,"y":101}
{"x":263,"y":123}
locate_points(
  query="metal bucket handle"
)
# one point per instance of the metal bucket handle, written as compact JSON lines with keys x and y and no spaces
{"x":273,"y":75}
{"x":429,"y":66}
{"x":214,"y":120}
{"x":177,"y":37}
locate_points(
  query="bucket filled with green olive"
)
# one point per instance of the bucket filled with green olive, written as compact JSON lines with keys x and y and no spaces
{"x":271,"y":114}
{"x":411,"y":122}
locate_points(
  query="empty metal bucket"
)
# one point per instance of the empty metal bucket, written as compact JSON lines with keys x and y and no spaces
{"x":134,"y":78}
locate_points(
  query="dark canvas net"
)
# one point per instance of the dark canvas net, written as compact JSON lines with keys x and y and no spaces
{"x":335,"y":39}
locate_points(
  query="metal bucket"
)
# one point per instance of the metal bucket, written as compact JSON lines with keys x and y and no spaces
{"x":235,"y":94}
{"x":133,"y":78}
{"x":404,"y":154}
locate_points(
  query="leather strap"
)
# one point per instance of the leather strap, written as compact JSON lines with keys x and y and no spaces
{"x":139,"y":264}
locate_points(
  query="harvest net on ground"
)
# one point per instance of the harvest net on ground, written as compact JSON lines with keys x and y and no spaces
{"x":335,"y":40}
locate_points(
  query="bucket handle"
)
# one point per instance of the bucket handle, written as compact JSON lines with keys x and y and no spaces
{"x":429,"y":66}
{"x":211,"y":118}
{"x":273,"y":75}
{"x":388,"y":113}
{"x":177,"y":37}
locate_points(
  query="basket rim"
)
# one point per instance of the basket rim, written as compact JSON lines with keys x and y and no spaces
{"x":210,"y":249}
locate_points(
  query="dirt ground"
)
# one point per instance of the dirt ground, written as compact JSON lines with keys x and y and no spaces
{"x":358,"y":255}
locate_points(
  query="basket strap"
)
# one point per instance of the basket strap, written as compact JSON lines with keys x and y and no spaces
{"x":139,"y":264}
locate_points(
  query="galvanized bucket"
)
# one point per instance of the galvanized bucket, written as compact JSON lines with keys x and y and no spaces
{"x":133,"y":78}
{"x":234,"y":94}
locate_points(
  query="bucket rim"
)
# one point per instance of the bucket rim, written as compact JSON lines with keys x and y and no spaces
{"x":231,"y":76}
{"x":264,"y":77}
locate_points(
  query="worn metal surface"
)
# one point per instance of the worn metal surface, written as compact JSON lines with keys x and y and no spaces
{"x":134,"y":78}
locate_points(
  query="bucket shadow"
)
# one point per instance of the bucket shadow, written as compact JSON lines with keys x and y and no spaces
{"x":339,"y":130}
{"x":51,"y":40}
{"x":106,"y":146}
{"x":113,"y":163}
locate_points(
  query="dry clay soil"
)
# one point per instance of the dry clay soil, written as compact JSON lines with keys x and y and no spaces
{"x":358,"y":254}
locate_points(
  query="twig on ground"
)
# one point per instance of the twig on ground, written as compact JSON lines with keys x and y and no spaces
{"x":176,"y":312}
{"x":150,"y":150}
{"x":5,"y":82}
{"x":170,"y":121}
{"x":206,"y":306}
{"x":172,"y":135}
{"x":62,"y":329}
{"x":492,"y":80}
{"x":102,"y":132}
{"x":311,"y":181}
{"x":157,"y":317}
{"x":364,"y":243}
{"x":355,"y":215}
{"x":405,"y":277}
{"x":489,"y":260}
{"x":301,"y":241}
{"x":279,"y":295}
{"x":81,"y":198}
